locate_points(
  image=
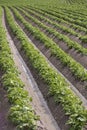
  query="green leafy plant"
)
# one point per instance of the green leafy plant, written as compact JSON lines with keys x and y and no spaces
{"x":23,"y":116}
{"x":58,"y":87}
{"x":76,"y":68}
{"x":21,"y":112}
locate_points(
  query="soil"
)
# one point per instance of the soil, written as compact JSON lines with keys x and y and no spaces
{"x":56,"y":109}
{"x":64,"y":24}
{"x":82,"y":59}
{"x":44,"y":90}
{"x":46,"y":122}
{"x":81,"y":86}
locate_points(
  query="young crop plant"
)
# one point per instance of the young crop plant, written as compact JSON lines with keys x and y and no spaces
{"x":21,"y":112}
{"x":84,"y":39}
{"x":59,"y":36}
{"x":66,"y":18}
{"x":76,"y":68}
{"x":63,"y":21}
{"x":58,"y":87}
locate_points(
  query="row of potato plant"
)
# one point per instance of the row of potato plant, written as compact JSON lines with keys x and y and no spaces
{"x":21,"y":113}
{"x":59,"y":36}
{"x":80,"y":18}
{"x":77,"y":69}
{"x":66,"y":18}
{"x":58,"y":87}
{"x":58,"y":25}
{"x":83,"y":19}
{"x":74,"y":13}
{"x":83,"y":38}
{"x":52,"y":16}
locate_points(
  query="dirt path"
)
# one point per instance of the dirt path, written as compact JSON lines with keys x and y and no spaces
{"x":47,"y":121}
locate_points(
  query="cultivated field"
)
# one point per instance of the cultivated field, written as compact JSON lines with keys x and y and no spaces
{"x":43,"y":65}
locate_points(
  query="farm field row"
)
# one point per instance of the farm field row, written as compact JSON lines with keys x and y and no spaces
{"x":58,"y":26}
{"x":52,"y":42}
{"x":58,"y":21}
{"x":21,"y":112}
{"x":59,"y":89}
{"x":55,"y":51}
{"x":54,"y":34}
{"x":60,"y":18}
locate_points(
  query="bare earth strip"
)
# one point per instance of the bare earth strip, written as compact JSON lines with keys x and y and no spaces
{"x":47,"y":121}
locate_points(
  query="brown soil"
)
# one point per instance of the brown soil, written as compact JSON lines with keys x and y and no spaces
{"x":64,"y":24}
{"x":82,"y":59}
{"x":44,"y":89}
{"x":81,"y":86}
{"x":46,"y":122}
{"x":56,"y":109}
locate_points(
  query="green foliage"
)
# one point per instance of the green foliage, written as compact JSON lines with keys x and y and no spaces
{"x":19,"y":92}
{"x":21,"y":112}
{"x":76,"y":68}
{"x":23,"y":116}
{"x":58,"y":87}
{"x":11,"y":79}
{"x":59,"y":36}
{"x":84,"y":39}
